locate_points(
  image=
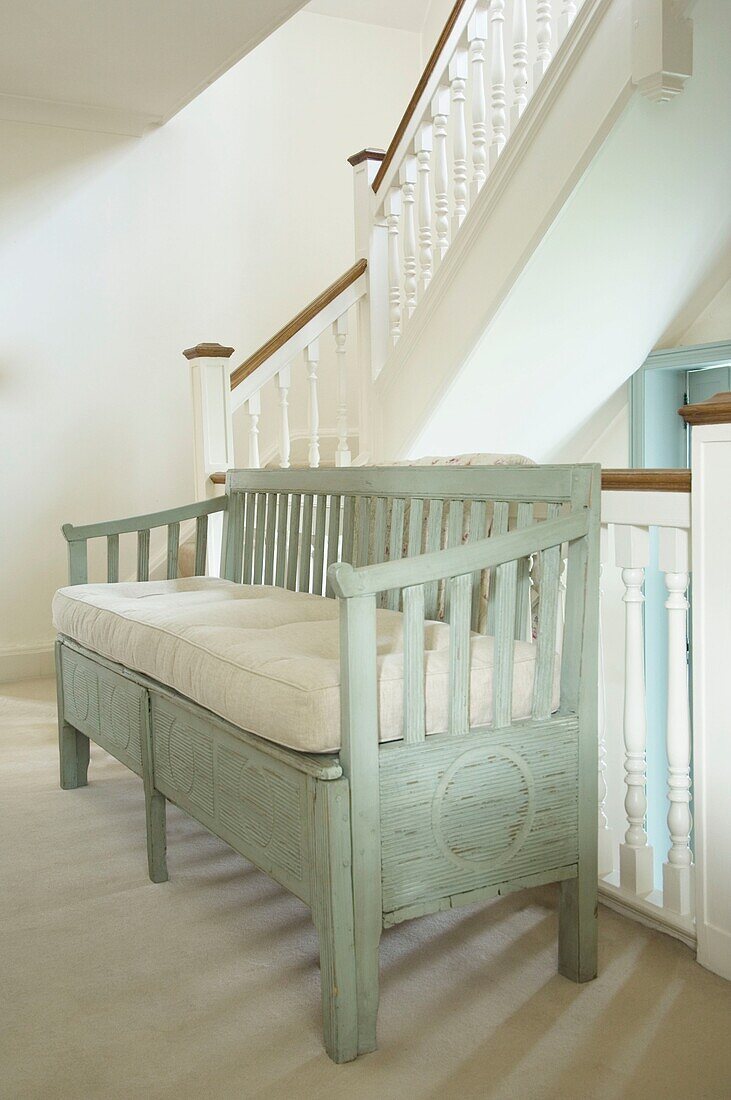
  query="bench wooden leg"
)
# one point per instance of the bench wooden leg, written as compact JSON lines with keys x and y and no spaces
{"x":155,"y":807}
{"x":73,"y":750}
{"x":577,"y":928}
{"x":332,"y":910}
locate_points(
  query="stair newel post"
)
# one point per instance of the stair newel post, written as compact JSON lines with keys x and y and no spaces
{"x":458,"y":68}
{"x":371,"y":244}
{"x":632,"y":555}
{"x":497,"y":80}
{"x":407,"y":177}
{"x":213,"y":440}
{"x":710,"y":427}
{"x":520,"y":60}
{"x":544,"y":35}
{"x":393,"y":217}
{"x":312,"y":360}
{"x":440,"y":114}
{"x":477,"y":38}
{"x":340,"y":333}
{"x":424,"y":145}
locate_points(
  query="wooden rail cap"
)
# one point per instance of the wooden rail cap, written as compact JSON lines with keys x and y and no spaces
{"x":307,"y":314}
{"x":208,"y":351}
{"x":366,"y":154}
{"x":418,"y":92}
{"x":646,"y":481}
{"x":714,"y":410}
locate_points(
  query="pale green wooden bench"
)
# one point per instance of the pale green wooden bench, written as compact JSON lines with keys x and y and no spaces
{"x":371,"y":836}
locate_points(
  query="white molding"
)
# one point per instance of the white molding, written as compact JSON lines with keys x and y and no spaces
{"x":76,"y":116}
{"x":640,"y":509}
{"x":26,"y":662}
{"x":648,"y":911}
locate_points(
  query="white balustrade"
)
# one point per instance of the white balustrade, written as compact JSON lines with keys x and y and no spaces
{"x":458,"y":84}
{"x":566,"y":18}
{"x":543,"y":39}
{"x":440,"y":115}
{"x":497,"y":81}
{"x":520,"y":60}
{"x":477,"y":38}
{"x":393,"y":216}
{"x":284,"y":381}
{"x":424,"y":145}
{"x":312,"y":358}
{"x":605,"y":852}
{"x":253,"y":407}
{"x":340,"y":332}
{"x":408,"y":189}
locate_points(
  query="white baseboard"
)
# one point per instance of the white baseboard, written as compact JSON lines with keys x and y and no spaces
{"x":26,"y":662}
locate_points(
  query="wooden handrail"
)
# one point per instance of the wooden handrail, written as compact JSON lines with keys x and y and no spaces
{"x":419,"y":91}
{"x":714,"y":410}
{"x":307,"y":314}
{"x":646,"y":481}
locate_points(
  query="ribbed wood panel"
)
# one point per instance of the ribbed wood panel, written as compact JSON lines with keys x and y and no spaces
{"x":104,"y":706}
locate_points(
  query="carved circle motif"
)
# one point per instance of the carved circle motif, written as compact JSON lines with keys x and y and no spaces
{"x":81,"y":692}
{"x":118,"y":724}
{"x":256,"y":809}
{"x":182,"y":758}
{"x":487,"y":785}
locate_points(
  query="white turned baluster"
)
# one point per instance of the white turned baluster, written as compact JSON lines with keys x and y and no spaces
{"x":407,"y":177}
{"x":312,"y":358}
{"x":520,"y":60}
{"x":543,"y":40}
{"x":393,"y":214}
{"x":458,"y":84}
{"x":677,"y":871}
{"x":424,"y":139}
{"x":284,"y":380}
{"x":340,"y":332}
{"x":635,"y":855}
{"x":477,"y":38}
{"x":440,"y":113}
{"x":605,"y":862}
{"x":253,"y":407}
{"x":566,"y":18}
{"x":497,"y":80}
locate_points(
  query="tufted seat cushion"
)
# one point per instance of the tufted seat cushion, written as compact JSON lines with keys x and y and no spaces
{"x":267,"y":659}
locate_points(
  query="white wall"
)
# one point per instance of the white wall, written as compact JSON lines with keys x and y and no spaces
{"x":118,"y":253}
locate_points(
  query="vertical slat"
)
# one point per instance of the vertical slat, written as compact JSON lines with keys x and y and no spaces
{"x":455,"y":525}
{"x":499,"y":526}
{"x":253,"y":407}
{"x":523,"y":581}
{"x":416,"y":527}
{"x":379,"y":539}
{"x":459,"y":653}
{"x":497,"y":80}
{"x":433,"y":542}
{"x":284,"y":381}
{"x":505,"y":590}
{"x":543,"y":40}
{"x":477,"y":38}
{"x":348,"y":529}
{"x":393,"y":215}
{"x":234,"y":538}
{"x":249,"y":528}
{"x":340,"y":333}
{"x":112,"y":559}
{"x":547,"y":614}
{"x":414,"y":705}
{"x":143,"y":555}
{"x":440,"y":114}
{"x":293,"y":540}
{"x":280,"y":570}
{"x":258,"y":567}
{"x":201,"y":545}
{"x":363,"y":531}
{"x":478,"y":530}
{"x":520,"y":61}
{"x":407,"y":178}
{"x":424,"y":141}
{"x":306,"y":544}
{"x":312,"y":359}
{"x":395,"y":545}
{"x":173,"y":548}
{"x":271,"y":538}
{"x":333,"y":537}
{"x":458,"y":83}
{"x":319,"y":550}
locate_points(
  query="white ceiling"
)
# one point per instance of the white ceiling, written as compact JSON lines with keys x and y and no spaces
{"x":122,"y":65}
{"x":405,"y":15}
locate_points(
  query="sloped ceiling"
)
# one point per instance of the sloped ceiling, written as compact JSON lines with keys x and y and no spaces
{"x":122,"y":66}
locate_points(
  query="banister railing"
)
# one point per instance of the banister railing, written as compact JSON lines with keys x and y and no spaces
{"x":646,"y":530}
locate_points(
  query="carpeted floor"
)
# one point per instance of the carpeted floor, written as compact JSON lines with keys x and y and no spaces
{"x":208,"y":985}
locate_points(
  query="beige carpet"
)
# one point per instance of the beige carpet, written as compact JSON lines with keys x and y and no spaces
{"x":208,"y":986}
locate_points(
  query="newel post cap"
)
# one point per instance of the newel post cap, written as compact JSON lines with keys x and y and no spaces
{"x":208,"y":351}
{"x":366,"y":154}
{"x":714,"y":410}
